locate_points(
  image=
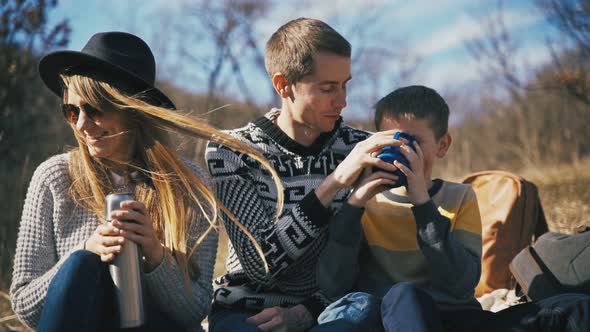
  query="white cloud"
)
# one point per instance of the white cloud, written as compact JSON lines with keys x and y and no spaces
{"x":449,"y":75}
{"x":463,"y":29}
{"x":409,"y":12}
{"x":466,"y":28}
{"x":533,"y":56}
{"x":325,"y":10}
{"x":331,"y":12}
{"x":464,"y":71}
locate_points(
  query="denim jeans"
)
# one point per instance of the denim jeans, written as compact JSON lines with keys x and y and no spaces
{"x":234,"y":320}
{"x":81,"y":298}
{"x":406,"y":307}
{"x":361,"y":310}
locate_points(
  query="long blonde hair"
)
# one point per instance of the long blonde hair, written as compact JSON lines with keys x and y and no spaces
{"x":173,"y":189}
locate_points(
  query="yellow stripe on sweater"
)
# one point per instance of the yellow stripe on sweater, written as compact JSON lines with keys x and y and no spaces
{"x":391,"y":225}
{"x":392,"y":233}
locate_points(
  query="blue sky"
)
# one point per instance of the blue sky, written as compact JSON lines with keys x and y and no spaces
{"x":433,"y":31}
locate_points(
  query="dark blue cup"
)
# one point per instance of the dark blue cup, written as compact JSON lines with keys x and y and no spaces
{"x":391,"y":153}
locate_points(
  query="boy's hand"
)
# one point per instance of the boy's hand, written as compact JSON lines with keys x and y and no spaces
{"x":417,"y":187}
{"x":369,"y":185}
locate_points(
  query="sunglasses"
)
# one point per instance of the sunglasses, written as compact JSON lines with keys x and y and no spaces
{"x":72,"y":112}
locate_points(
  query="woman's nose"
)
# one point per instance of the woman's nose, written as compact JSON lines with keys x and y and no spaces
{"x":84,"y":121}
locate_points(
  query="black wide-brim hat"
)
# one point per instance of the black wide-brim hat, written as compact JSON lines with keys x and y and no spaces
{"x":119,"y":58}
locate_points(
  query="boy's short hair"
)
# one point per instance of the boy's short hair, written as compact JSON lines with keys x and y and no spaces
{"x":291,"y":48}
{"x":414,"y":102}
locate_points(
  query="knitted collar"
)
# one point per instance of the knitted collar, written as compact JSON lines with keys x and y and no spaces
{"x":125,"y":183}
{"x":268,"y":126}
{"x":403,"y":198}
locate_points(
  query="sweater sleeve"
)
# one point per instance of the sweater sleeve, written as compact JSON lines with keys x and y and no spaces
{"x":455,"y":266}
{"x":187,"y":305}
{"x":338,"y":266}
{"x":282,"y":242}
{"x":36,"y":259}
{"x":166,"y":284}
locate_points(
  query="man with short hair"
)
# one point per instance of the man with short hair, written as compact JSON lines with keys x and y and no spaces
{"x":317,"y":158}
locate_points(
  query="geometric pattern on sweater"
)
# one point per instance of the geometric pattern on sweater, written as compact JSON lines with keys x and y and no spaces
{"x":292,"y":245}
{"x":53,"y":226}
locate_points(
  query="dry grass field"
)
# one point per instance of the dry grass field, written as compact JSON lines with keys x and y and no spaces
{"x":567,"y":206}
{"x":565,"y":194}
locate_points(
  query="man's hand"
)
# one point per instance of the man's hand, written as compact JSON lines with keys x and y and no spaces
{"x":417,"y":186}
{"x":277,"y":319}
{"x":369,"y":185}
{"x":362,"y":156}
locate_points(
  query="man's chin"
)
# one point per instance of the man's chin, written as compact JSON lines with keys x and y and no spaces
{"x":329,"y":127}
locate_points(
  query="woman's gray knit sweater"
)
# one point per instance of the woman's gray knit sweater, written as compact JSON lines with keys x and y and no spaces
{"x":53,"y":226}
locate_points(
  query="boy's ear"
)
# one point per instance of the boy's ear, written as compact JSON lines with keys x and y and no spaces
{"x":281,"y":85}
{"x":444,"y":143}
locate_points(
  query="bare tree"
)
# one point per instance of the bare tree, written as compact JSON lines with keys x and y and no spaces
{"x":228,"y":29}
{"x":496,"y":51}
{"x":30,"y":129}
{"x":571,"y":52}
{"x":222,"y":49}
{"x":533,"y":122}
{"x":24,"y":29}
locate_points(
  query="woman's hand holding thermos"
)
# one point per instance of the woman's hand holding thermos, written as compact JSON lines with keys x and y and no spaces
{"x":129,"y":222}
{"x":106,"y":241}
{"x":134,"y":223}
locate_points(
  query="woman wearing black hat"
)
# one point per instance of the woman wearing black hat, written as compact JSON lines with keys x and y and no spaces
{"x":60,"y":279}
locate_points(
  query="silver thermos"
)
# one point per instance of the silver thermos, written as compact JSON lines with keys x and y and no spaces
{"x":126,"y":273}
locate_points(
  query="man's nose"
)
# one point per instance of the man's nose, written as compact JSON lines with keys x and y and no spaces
{"x":340,"y":100}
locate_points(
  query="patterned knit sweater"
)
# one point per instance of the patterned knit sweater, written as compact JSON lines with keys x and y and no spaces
{"x":53,"y":226}
{"x":291,"y":246}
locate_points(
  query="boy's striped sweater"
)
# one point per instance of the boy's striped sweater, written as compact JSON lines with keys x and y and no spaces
{"x":437,"y":244}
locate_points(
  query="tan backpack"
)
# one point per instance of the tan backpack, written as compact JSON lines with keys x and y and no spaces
{"x":512,"y":218}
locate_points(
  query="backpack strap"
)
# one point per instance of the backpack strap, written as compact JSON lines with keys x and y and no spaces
{"x":546,"y":272}
{"x":541,"y":227}
{"x":533,"y":276}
